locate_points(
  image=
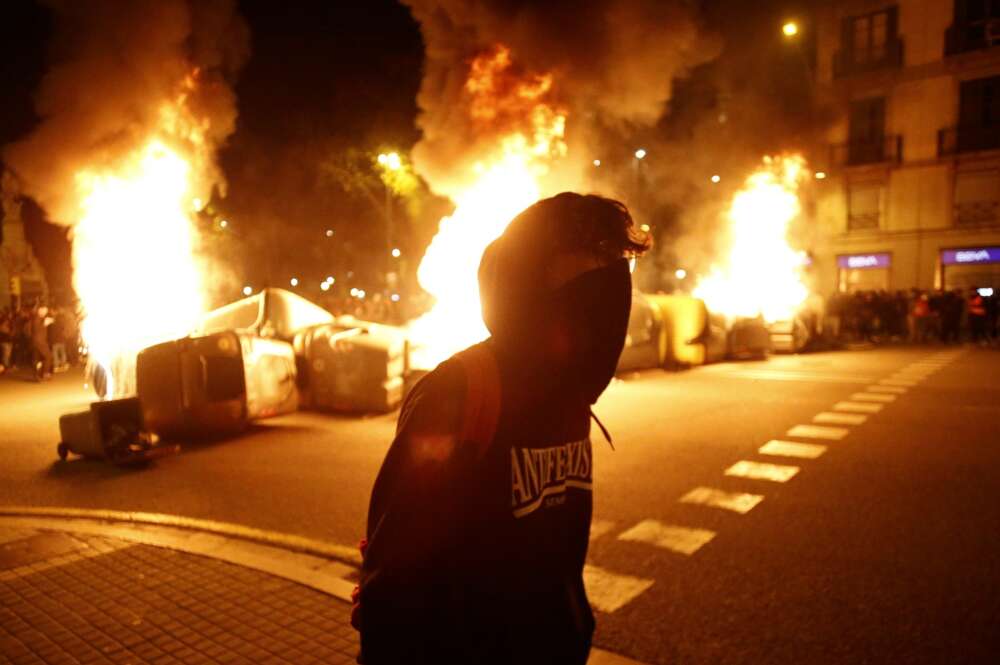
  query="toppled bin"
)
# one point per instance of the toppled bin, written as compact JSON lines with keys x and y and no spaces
{"x":112,"y":431}
{"x":352,"y":365}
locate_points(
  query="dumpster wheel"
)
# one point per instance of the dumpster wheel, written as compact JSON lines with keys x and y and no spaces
{"x":62,"y":450}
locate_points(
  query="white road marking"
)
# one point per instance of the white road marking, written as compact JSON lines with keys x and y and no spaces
{"x":737,"y":502}
{"x":909,"y":383}
{"x":818,"y":432}
{"x":610,"y":591}
{"x":840,"y":418}
{"x":600,"y":527}
{"x":858,"y":407}
{"x":680,"y":539}
{"x":872,"y":397}
{"x":899,"y":390}
{"x":781,"y":448}
{"x":777,"y":473}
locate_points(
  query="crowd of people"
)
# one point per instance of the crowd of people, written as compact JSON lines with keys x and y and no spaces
{"x":947,"y":316}
{"x":40,"y":338}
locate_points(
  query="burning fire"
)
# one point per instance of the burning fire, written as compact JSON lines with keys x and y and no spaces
{"x":134,"y":249}
{"x":504,"y":184}
{"x":761,"y":276}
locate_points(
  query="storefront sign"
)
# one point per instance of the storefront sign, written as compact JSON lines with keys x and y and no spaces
{"x":861,"y":261}
{"x":950,"y":257}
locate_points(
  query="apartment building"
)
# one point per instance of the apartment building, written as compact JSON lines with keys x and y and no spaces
{"x":911,"y":194}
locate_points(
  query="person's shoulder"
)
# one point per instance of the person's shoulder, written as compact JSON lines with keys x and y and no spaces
{"x":435,"y":403}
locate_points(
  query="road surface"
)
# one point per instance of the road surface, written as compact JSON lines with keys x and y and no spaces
{"x":838,"y":507}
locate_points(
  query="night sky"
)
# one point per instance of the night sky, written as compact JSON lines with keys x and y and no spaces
{"x":324,"y":78}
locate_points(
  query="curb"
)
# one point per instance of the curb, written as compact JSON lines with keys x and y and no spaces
{"x":319,"y":548}
{"x":312,"y":563}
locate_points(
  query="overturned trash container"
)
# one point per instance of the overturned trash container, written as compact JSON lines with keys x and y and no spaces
{"x":214,"y":385}
{"x":352,"y":366}
{"x":112,"y":431}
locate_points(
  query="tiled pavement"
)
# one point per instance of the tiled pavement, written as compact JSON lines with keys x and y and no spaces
{"x":77,"y":598}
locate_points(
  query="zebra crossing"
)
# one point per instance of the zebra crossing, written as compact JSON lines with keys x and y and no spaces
{"x":609,"y":591}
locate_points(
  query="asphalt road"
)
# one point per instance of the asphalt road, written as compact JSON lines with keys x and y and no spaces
{"x":884,"y":547}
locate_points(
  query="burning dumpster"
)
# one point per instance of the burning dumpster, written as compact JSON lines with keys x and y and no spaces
{"x":352,"y":365}
{"x":213,"y":385}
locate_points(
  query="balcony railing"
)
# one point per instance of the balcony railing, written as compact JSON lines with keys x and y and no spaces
{"x":850,"y":61}
{"x":956,"y":140}
{"x":885,"y":149}
{"x":973,"y":36}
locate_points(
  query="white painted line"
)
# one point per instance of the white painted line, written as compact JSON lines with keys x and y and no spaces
{"x":899,"y":390}
{"x":898,"y":382}
{"x":840,"y":418}
{"x":600,"y":527}
{"x":858,"y":407}
{"x":776,"y":473}
{"x":872,"y":397}
{"x":738,"y":502}
{"x":818,"y":432}
{"x":680,"y":539}
{"x":781,"y":448}
{"x":610,"y":591}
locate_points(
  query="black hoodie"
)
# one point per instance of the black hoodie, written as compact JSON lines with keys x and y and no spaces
{"x":478,"y":558}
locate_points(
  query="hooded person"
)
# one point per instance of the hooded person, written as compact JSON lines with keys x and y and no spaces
{"x":475,"y":554}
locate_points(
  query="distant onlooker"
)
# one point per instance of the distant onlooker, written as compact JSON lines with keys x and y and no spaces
{"x":977,"y":317}
{"x":6,"y":339}
{"x":41,"y":353}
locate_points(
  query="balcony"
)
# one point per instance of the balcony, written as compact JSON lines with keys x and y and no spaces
{"x":887,"y":149}
{"x":972,"y":36}
{"x":957,"y":140}
{"x":851,"y":61}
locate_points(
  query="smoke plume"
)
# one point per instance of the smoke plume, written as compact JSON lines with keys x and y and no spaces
{"x":612,"y":64}
{"x":124,"y":72}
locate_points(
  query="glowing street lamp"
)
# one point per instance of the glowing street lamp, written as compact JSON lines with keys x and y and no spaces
{"x":716,"y":178}
{"x":294,"y":281}
{"x":680,"y":273}
{"x":247,"y":290}
{"x":390,"y":160}
{"x":597,"y":162}
{"x":790,"y":29}
{"x":223,"y":223}
{"x":396,"y":253}
{"x":640,"y":153}
{"x":820,"y":175}
{"x":329,"y":233}
{"x":324,"y":286}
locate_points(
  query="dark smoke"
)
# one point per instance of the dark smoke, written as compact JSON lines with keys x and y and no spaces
{"x":114,"y":65}
{"x":613,"y":64}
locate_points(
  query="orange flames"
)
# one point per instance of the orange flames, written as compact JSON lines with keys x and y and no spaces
{"x":530,"y":132}
{"x":134,"y":245}
{"x":761,"y":275}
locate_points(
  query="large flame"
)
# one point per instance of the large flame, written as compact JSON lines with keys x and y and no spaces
{"x":761,"y":275}
{"x":134,"y":266}
{"x":504,"y":183}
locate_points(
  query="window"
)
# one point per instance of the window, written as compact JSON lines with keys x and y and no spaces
{"x":866,"y":134}
{"x":979,"y":115}
{"x":976,"y":26}
{"x":864,"y":205}
{"x":869,"y":38}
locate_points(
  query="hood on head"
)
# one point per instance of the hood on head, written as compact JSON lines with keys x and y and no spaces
{"x":566,"y":337}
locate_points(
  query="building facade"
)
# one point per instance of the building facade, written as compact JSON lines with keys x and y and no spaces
{"x":911,"y":194}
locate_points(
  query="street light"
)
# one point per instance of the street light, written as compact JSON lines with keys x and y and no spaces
{"x":324,"y":286}
{"x":716,"y":178}
{"x":223,"y":223}
{"x":597,"y":162}
{"x":790,"y":29}
{"x":820,"y":175}
{"x":294,"y":281}
{"x":329,"y":233}
{"x":640,"y":153}
{"x":390,"y":160}
{"x":247,"y":290}
{"x":680,"y":273}
{"x":396,"y":253}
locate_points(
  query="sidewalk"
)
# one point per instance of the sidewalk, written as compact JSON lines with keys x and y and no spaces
{"x":93,"y":591}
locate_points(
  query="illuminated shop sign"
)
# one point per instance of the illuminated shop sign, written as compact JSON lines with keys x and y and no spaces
{"x":951,"y":257}
{"x":856,"y":261}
